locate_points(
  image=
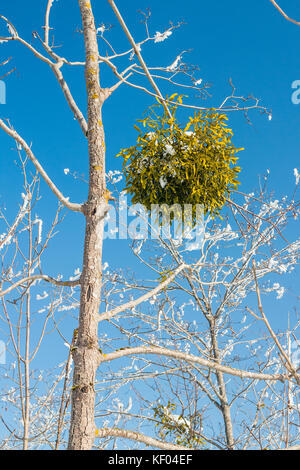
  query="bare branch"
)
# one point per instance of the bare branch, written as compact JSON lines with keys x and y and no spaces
{"x":136,"y":436}
{"x":18,"y":219}
{"x":243,"y":374}
{"x":56,"y":68}
{"x":47,"y":27}
{"x":37,"y":277}
{"x":283,"y":13}
{"x":286,"y":361}
{"x":139,"y":56}
{"x":291,"y":448}
{"x":15,"y":37}
{"x":143,"y":298}
{"x":12,"y":133}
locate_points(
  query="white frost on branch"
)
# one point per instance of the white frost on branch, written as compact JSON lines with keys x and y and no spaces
{"x":77,"y":274}
{"x":280,"y":290}
{"x":72,"y":306}
{"x":174,"y":65}
{"x":6,"y":238}
{"x":169,"y":150}
{"x":43,"y":296}
{"x":138,"y":247}
{"x":194,"y":246}
{"x":101,"y":29}
{"x":151,"y":135}
{"x":179,"y":419}
{"x":39,"y":223}
{"x":162,"y":181}
{"x":114,"y":176}
{"x":11,"y":30}
{"x":159,"y":37}
{"x":224,"y":234}
{"x":133,"y":52}
{"x":297,"y":175}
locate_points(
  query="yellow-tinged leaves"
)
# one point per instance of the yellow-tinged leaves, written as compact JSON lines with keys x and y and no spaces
{"x":178,"y":428}
{"x":107,"y":195}
{"x":165,"y":274}
{"x":171,"y":165}
{"x":172,"y":97}
{"x":188,"y":126}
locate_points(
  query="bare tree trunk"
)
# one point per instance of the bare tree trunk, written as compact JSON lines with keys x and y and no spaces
{"x":27,"y":342}
{"x":86,"y":354}
{"x":225,"y":408}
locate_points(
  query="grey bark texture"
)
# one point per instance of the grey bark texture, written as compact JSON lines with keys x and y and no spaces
{"x":85,"y":352}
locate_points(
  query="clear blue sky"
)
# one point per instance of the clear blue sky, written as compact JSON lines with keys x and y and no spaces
{"x":247,"y":41}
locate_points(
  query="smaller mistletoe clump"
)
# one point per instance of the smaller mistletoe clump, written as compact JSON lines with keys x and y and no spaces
{"x":170,"y":164}
{"x":177,"y":427}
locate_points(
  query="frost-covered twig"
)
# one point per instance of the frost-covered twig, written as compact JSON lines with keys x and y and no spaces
{"x":139,"y":56}
{"x":243,"y":374}
{"x":38,"y":277}
{"x":143,"y":298}
{"x":286,"y":360}
{"x":12,"y":133}
{"x":137,"y":436}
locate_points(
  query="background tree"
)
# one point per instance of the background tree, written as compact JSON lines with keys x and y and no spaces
{"x":86,"y":353}
{"x":220,"y":319}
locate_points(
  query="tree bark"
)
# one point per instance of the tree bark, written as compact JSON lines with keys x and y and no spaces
{"x":85,"y":352}
{"x":225,"y":408}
